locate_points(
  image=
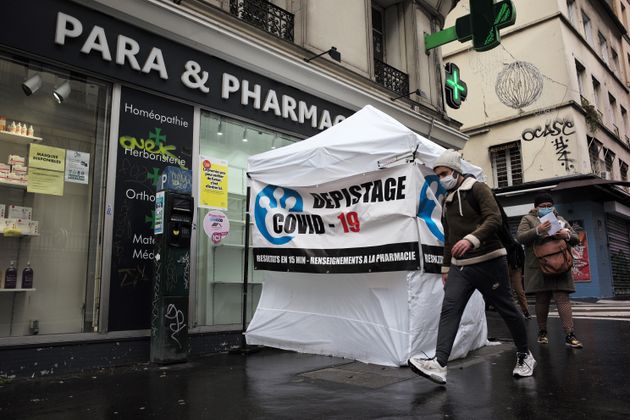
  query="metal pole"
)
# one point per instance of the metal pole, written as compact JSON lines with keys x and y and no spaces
{"x":245,"y":268}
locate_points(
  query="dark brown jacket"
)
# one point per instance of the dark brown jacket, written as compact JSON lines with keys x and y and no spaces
{"x":461,"y":221}
{"x":534,"y":280}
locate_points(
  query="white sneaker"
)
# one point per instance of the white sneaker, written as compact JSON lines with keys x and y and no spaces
{"x":525,"y":364}
{"x":429,"y":368}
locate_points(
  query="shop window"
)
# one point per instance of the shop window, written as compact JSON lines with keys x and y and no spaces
{"x":53,"y":131}
{"x":220,"y":268}
{"x":507,"y":166}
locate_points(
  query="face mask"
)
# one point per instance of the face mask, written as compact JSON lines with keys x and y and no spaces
{"x":449,"y":182}
{"x":544,"y":211}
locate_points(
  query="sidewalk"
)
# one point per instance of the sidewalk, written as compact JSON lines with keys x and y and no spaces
{"x":272,"y":384}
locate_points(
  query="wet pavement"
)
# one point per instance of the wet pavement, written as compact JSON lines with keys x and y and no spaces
{"x":591,"y":383}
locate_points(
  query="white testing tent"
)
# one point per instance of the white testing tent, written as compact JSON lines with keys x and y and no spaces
{"x":380,"y":317}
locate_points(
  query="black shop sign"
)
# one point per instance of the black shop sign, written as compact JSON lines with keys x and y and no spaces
{"x":69,"y":33}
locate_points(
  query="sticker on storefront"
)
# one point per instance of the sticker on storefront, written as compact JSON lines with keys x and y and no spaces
{"x":46,"y":157}
{"x":77,"y":166}
{"x":41,"y":181}
{"x":213,"y":183}
{"x":216,"y":225}
{"x":159,"y":213}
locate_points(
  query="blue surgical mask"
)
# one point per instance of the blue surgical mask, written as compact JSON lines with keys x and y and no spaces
{"x":544,"y":211}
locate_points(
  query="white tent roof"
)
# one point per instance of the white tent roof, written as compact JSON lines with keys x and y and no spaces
{"x":352,"y":147}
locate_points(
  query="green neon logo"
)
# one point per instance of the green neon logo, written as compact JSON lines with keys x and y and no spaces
{"x":456,"y":88}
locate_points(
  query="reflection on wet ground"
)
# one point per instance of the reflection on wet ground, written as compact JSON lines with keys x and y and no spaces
{"x":587,"y":383}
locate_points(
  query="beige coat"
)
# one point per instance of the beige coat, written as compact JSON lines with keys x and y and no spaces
{"x":534,"y":280}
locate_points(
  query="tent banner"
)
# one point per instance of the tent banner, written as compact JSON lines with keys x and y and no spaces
{"x":360,"y":224}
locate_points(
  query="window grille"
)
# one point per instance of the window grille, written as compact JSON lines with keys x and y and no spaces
{"x":507,"y":166}
{"x":264,"y":15}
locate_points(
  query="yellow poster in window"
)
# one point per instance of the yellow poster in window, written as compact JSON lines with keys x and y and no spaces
{"x":46,"y":157}
{"x":213,"y":185}
{"x":42,"y":181}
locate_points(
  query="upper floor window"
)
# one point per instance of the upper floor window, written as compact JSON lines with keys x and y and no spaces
{"x":594,"y":148}
{"x":623,"y":123}
{"x":609,"y":160}
{"x":378,"y":37}
{"x":580,"y":70}
{"x":623,"y":170}
{"x":264,"y":15}
{"x":389,"y":51}
{"x":611,"y":109}
{"x":571,"y":11}
{"x":597,"y":93}
{"x":507,"y":168}
{"x":586,"y":24}
{"x":614,"y":61}
{"x":603,"y":47}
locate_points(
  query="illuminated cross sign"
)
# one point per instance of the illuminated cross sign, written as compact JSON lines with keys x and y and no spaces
{"x":456,"y":89}
{"x":481,"y":25}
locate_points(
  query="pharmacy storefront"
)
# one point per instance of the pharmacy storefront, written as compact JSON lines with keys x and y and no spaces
{"x":92,"y":109}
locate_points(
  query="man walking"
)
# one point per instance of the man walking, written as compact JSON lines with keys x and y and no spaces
{"x":474,"y":259}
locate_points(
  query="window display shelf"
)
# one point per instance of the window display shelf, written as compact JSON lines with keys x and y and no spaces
{"x":18,"y":138}
{"x":12,"y":185}
{"x":21,"y":235}
{"x":2,"y":289}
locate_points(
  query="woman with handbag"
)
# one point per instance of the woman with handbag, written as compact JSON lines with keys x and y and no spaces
{"x":548,"y":265}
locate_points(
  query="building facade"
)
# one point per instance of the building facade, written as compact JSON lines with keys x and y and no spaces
{"x":547,"y":110}
{"x":99,"y":96}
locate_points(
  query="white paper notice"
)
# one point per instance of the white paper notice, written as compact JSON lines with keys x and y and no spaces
{"x":556,"y":224}
{"x":77,"y":167}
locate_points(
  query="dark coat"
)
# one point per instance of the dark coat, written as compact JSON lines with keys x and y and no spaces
{"x":534,"y":280}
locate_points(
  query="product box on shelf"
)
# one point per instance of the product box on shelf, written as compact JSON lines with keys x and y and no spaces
{"x":18,"y":212}
{"x":7,"y":224}
{"x":16,"y":160}
{"x":5,"y":168}
{"x":19,"y":169}
{"x":25,"y":227}
{"x":2,"y":211}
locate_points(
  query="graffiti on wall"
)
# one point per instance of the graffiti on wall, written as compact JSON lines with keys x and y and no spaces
{"x":559,"y":131}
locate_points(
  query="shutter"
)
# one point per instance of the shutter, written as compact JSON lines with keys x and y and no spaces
{"x":619,"y":248}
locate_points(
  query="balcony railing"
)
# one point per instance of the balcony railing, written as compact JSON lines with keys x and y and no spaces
{"x":390,"y":77}
{"x":264,"y":15}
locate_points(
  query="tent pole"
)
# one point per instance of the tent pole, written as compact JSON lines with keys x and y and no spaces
{"x":245,"y":266}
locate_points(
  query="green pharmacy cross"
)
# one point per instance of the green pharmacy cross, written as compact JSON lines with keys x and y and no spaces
{"x":456,"y":89}
{"x":481,"y":25}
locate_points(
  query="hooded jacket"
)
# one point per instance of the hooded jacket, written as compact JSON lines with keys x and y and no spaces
{"x":462,"y":221}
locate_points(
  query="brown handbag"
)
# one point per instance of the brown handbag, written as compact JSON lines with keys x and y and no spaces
{"x":554,"y":257}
